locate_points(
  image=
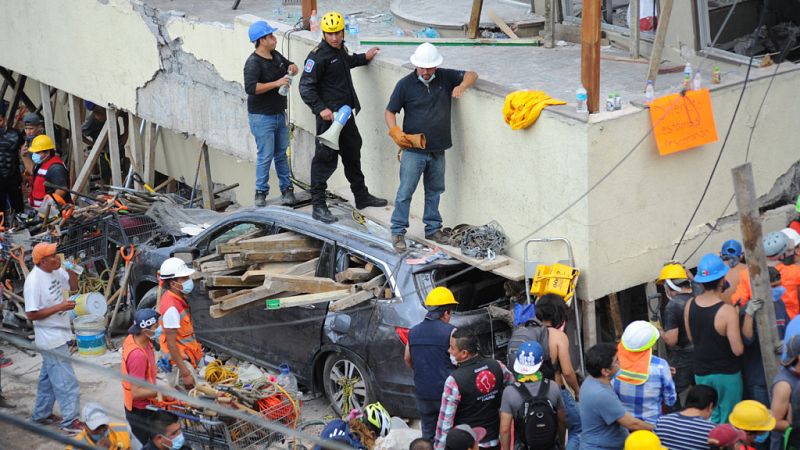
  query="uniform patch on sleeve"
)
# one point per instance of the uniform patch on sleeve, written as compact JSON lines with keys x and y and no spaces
{"x":309,"y":66}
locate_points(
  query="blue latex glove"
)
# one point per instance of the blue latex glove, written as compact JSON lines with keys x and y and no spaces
{"x":69,"y":265}
{"x":164,"y":365}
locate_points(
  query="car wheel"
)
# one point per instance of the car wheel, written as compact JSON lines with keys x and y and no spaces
{"x":346,"y":383}
{"x":148,"y":300}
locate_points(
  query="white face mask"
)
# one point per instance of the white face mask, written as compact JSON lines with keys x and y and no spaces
{"x":428,"y":81}
{"x":453,"y":360}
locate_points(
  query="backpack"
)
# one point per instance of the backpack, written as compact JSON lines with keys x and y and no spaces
{"x":536,"y":423}
{"x":533,"y":330}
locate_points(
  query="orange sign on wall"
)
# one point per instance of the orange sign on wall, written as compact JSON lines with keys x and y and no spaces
{"x":681,"y":122}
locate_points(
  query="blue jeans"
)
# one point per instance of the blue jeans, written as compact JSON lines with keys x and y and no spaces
{"x":272,"y":140}
{"x":428,"y":416}
{"x":429,"y":165}
{"x":573,"y":420}
{"x":57,"y":382}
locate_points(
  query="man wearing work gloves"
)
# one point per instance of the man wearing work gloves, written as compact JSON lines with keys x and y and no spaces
{"x":326,"y":86}
{"x":425,"y":96}
{"x":178,"y":342}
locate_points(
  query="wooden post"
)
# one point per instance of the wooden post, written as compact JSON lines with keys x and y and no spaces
{"x":474,"y":19}
{"x":658,"y":43}
{"x":113,"y":146}
{"x":135,"y":147}
{"x":8,"y":77}
{"x":206,"y":184}
{"x":750,"y":222}
{"x":18,"y":92}
{"x":589,"y":323}
{"x":634,"y":27}
{"x":549,"y":23}
{"x":308,"y":6}
{"x":150,"y":141}
{"x":616,"y":316}
{"x":590,"y":53}
{"x":74,"y":105}
{"x":86,"y":170}
{"x":47,"y":110}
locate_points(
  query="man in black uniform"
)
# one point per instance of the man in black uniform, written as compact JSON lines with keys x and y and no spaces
{"x":11,"y":141}
{"x":325,"y":86}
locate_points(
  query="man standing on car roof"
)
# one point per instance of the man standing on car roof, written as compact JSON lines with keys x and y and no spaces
{"x":428,"y":342}
{"x":178,"y":342}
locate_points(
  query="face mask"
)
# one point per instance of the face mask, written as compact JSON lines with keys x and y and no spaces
{"x":777,"y":292}
{"x":187,"y":286}
{"x":37,"y":158}
{"x":177,"y":442}
{"x":761,"y":438}
{"x":424,"y":81}
{"x":453,"y":360}
{"x":156,"y":334}
{"x":98,"y":437}
{"x":730,"y":260}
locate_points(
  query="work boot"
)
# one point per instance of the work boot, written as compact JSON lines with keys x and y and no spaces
{"x":367,"y":200}
{"x":439,"y":238}
{"x":288,"y":198}
{"x":323,"y":214}
{"x":73,"y":428}
{"x":261,"y":199}
{"x":399,"y":243}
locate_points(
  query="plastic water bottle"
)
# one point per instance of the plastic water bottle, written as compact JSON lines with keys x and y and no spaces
{"x":580,"y":100}
{"x":287,"y":380}
{"x":610,"y":102}
{"x":354,"y":31}
{"x":284,"y":90}
{"x":716,"y":76}
{"x":697,"y":81}
{"x":687,"y":75}
{"x":313,"y":25}
{"x":649,"y":92}
{"x":617,"y":101}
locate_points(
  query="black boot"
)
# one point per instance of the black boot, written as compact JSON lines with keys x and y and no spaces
{"x":288,"y":198}
{"x":260,"y":199}
{"x":366,"y":200}
{"x":323,"y":214}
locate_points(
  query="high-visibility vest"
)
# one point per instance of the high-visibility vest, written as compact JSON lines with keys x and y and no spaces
{"x":38,"y":191}
{"x":634,"y":367}
{"x":187,"y":342}
{"x":119,"y":437}
{"x":150,"y":374}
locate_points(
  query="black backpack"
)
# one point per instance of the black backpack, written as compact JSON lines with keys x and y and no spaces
{"x":536,"y":422}
{"x":533,"y":330}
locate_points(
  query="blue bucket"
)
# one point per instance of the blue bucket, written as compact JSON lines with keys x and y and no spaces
{"x":91,"y":336}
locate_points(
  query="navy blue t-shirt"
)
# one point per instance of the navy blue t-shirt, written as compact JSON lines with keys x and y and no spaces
{"x":426,"y":109}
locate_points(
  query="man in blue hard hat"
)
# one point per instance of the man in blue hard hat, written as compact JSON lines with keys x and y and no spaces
{"x":733,"y":255}
{"x":717,"y":348}
{"x":266,"y":80}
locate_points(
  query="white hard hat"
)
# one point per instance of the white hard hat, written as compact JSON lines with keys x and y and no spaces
{"x":639,"y":336}
{"x":174,"y":268}
{"x":426,"y":56}
{"x":793,"y":236}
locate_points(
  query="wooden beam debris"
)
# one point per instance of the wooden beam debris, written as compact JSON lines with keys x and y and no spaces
{"x":273,"y":242}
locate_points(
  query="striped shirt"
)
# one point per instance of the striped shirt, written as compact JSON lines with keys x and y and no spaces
{"x":644,"y":401}
{"x":687,"y":433}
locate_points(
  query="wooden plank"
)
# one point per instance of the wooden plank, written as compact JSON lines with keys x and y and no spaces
{"x":501,"y":24}
{"x":354,"y":274}
{"x":113,"y":146}
{"x":208,"y":258}
{"x":658,"y":42}
{"x":150,"y":141}
{"x":206,"y":183}
{"x":378,"y":281}
{"x":91,"y":160}
{"x":351,"y":300}
{"x":634,"y":27}
{"x":549,"y":23}
{"x":216,"y":294}
{"x":214,"y":266}
{"x":474,"y":19}
{"x":303,"y":268}
{"x":264,"y":269}
{"x":244,"y":297}
{"x":292,"y":254}
{"x":278,"y":241}
{"x":8,"y":76}
{"x":135,"y":147}
{"x":47,"y":110}
{"x":300,"y":283}
{"x":19,"y":91}
{"x":231,"y":281}
{"x":590,"y":53}
{"x":76,"y":143}
{"x":616,"y":316}
{"x":310,"y":299}
{"x":235,"y":261}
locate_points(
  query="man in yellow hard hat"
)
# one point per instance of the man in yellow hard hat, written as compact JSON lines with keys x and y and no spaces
{"x":427,"y":346}
{"x":326,"y":86}
{"x":47,"y":166}
{"x":678,"y":290}
{"x":643,"y":440}
{"x":754,"y":419}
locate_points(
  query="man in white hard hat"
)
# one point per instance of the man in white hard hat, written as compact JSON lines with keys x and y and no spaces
{"x":178,"y":341}
{"x":425,"y":97}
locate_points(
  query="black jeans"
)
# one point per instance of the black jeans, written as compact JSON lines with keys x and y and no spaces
{"x":11,"y":195}
{"x":326,"y":159}
{"x":139,"y":420}
{"x":428,"y":415}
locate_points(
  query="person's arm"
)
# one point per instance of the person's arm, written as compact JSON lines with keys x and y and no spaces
{"x":391,"y":118}
{"x":72,"y":279}
{"x":508,"y":376}
{"x":565,"y":361}
{"x":175,"y":355}
{"x":633,"y":424}
{"x":686,"y":320}
{"x":309,"y":88}
{"x":469,"y":79}
{"x":505,"y":430}
{"x":781,"y":394}
{"x":447,"y":412}
{"x":44,"y":313}
{"x":407,"y":357}
{"x":251,"y":84}
{"x":668,"y":394}
{"x":671,"y":337}
{"x":732,"y":329}
{"x":747,"y":328}
{"x":562,"y":427}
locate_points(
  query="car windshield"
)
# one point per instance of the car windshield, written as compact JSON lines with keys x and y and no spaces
{"x":472,"y":289}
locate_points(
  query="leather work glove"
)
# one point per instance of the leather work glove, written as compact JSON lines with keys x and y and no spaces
{"x":399,"y":138}
{"x":753,"y":306}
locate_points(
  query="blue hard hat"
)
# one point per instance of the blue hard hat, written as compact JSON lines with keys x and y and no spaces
{"x":88,"y":105}
{"x":732,"y":247}
{"x":260,"y":29}
{"x":711,"y":268}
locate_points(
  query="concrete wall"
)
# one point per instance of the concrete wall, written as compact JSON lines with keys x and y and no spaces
{"x":186,"y":76}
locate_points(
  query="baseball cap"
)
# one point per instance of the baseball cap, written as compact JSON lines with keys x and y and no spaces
{"x":144,"y":318}
{"x":94,"y":416}
{"x":43,"y":250}
{"x":792,"y":351}
{"x":530,"y":356}
{"x":725,"y":435}
{"x":464,"y":437}
{"x":732,"y":247}
{"x":793,"y":236}
{"x":31,"y":119}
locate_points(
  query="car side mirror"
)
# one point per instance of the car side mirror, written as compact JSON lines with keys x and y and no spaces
{"x":187,"y":254}
{"x":340,"y":323}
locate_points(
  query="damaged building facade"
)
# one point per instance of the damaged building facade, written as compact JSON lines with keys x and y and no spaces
{"x":185,"y":75}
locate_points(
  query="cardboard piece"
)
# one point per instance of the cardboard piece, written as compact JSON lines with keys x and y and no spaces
{"x":681,"y":122}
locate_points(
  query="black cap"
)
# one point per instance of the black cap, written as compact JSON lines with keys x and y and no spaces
{"x":31,"y":119}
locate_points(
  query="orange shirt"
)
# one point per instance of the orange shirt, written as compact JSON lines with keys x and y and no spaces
{"x":790,"y":279}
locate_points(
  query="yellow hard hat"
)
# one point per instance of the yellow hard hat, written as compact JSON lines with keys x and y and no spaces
{"x":440,"y":296}
{"x":673,"y":271}
{"x":750,"y":415}
{"x":41,"y":143}
{"x":332,"y":22}
{"x":643,"y":440}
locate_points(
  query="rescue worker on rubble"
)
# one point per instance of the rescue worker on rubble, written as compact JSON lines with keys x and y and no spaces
{"x":99,"y":431}
{"x":32,"y":126}
{"x":178,"y":342}
{"x":139,"y":361}
{"x":11,"y":141}
{"x":49,"y":167}
{"x":96,"y":117}
{"x":325,"y":86}
{"x":426,"y":354}
{"x":266,"y":72}
{"x":425,"y":96}
{"x":678,"y":290}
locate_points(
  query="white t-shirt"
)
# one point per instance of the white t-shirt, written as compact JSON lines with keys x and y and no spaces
{"x":43,"y":290}
{"x":172,"y":318}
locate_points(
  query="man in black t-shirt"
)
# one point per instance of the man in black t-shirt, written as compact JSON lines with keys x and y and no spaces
{"x":425,"y":97}
{"x":678,"y":290}
{"x":265,"y":73}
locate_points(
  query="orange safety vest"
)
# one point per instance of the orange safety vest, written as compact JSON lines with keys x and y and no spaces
{"x":187,"y":342}
{"x":634,"y":367}
{"x":790,"y":279}
{"x":38,"y":191}
{"x":127,"y":347}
